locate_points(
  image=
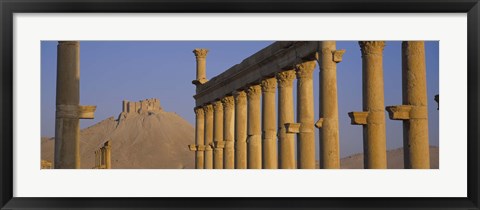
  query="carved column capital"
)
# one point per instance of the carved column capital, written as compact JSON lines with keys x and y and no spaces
{"x":200,"y":53}
{"x":218,"y":106}
{"x":305,"y":70}
{"x":253,"y":91}
{"x":413,"y":48}
{"x":208,"y":109}
{"x":199,"y":111}
{"x":371,"y":47}
{"x":240,"y":97}
{"x":285,"y":78}
{"x":269,"y":84}
{"x":228,"y":102}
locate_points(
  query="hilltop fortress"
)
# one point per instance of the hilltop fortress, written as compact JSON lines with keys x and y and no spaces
{"x":142,"y":106}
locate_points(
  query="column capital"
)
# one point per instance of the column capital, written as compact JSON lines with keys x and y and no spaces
{"x":68,"y":43}
{"x":285,"y":78}
{"x":371,"y":47}
{"x":305,"y":70}
{"x":208,"y":108}
{"x":217,"y":105}
{"x":240,"y":97}
{"x":253,"y":91}
{"x":269,"y":84}
{"x":228,"y":102}
{"x":199,"y":111}
{"x":200,"y":52}
{"x":413,"y":48}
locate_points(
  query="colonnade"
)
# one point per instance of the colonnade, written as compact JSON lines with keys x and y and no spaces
{"x":248,"y":128}
{"x":103,"y":156}
{"x":241,"y":129}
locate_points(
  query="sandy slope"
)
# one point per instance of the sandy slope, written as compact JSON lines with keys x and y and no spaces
{"x":155,"y":139}
{"x":394,"y":159}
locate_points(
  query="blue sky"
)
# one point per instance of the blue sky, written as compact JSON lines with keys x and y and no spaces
{"x":112,"y":71}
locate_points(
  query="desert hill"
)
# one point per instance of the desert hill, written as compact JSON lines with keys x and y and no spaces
{"x":394,"y":159}
{"x":143,"y":137}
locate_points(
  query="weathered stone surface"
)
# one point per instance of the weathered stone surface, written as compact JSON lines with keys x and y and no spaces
{"x":329,"y":134}
{"x":286,"y":140}
{"x":199,"y":137}
{"x":229,"y":132}
{"x":201,"y":56}
{"x":240,"y":129}
{"x":208,"y":109}
{"x":269,"y":127}
{"x":218,"y":134}
{"x":254,"y":129}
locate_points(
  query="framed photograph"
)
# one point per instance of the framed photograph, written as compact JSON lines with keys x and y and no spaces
{"x":138,"y":105}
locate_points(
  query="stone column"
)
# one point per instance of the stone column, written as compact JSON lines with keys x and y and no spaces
{"x":414,"y":111}
{"x":228,"y":132}
{"x":373,"y":116}
{"x":269,"y":124}
{"x":305,"y":116}
{"x":240,"y":129}
{"x":218,"y":135}
{"x":328,"y":122}
{"x":199,"y":137}
{"x":68,"y":110}
{"x":108,"y":155}
{"x":201,"y":55}
{"x":254,"y":131}
{"x":285,"y":116}
{"x":208,"y":109}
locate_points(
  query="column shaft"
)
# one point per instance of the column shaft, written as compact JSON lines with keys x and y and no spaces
{"x":67,"y":126}
{"x":286,"y":115}
{"x":218,"y":135}
{"x":228,"y":132}
{"x":373,"y":103}
{"x":269,"y":146}
{"x":240,"y":129}
{"x":415,"y":130}
{"x":306,"y":136}
{"x":329,"y":133}
{"x":208,"y":109}
{"x":254,"y":128}
{"x":199,"y":137}
{"x":108,"y":155}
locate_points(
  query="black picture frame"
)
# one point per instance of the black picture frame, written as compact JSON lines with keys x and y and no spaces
{"x":9,"y":7}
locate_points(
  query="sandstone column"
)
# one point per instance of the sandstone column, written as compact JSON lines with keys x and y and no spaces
{"x":254,"y":131}
{"x":373,"y":116}
{"x":328,"y":122}
{"x":286,"y":115}
{"x":201,"y":55}
{"x":414,"y":112}
{"x":269,"y":119}
{"x":306,"y":135}
{"x":208,"y":109}
{"x":240,"y":129}
{"x":218,"y":135}
{"x":108,"y":155}
{"x":199,"y":137}
{"x":68,"y":110}
{"x":228,"y":132}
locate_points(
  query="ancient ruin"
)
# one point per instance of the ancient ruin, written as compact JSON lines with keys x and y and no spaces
{"x":237,"y":126}
{"x":68,"y":110}
{"x":103,"y":156}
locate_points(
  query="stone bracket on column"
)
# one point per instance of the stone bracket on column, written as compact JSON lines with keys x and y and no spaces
{"x":219,"y":145}
{"x":292,"y":127}
{"x":192,"y":147}
{"x":74,"y":111}
{"x":358,"y":118}
{"x":86,"y":112}
{"x":338,"y":55}
{"x":319,"y":123}
{"x":399,"y":112}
